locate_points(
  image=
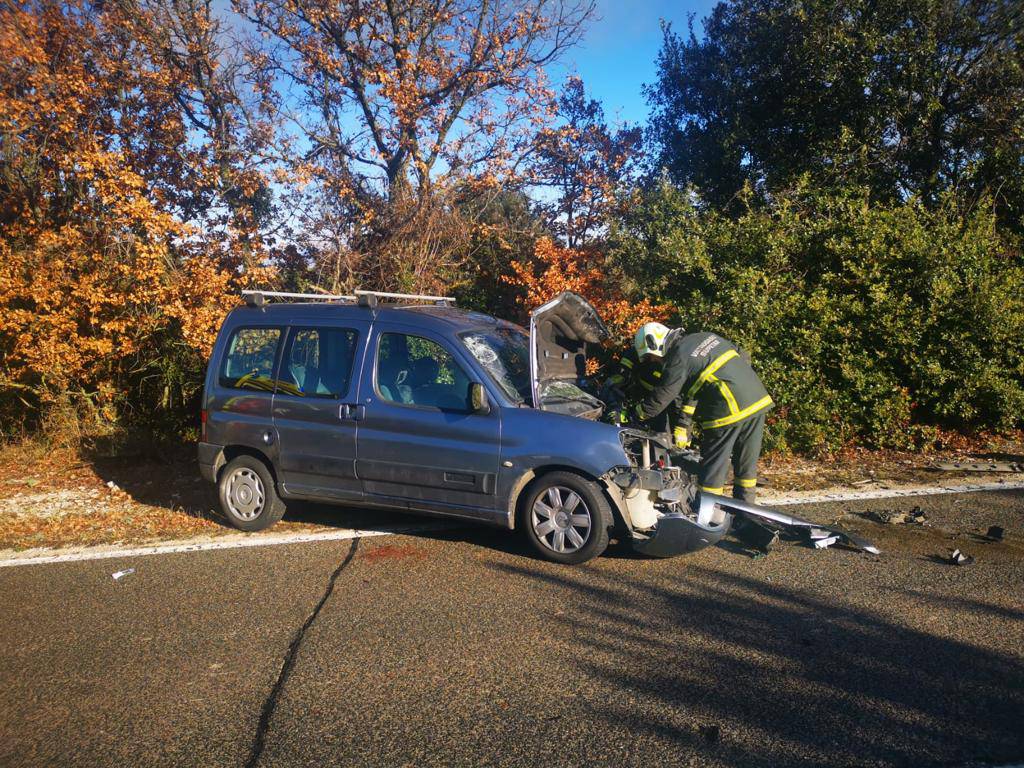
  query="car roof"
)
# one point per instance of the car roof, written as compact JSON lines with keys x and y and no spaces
{"x":427,"y":316}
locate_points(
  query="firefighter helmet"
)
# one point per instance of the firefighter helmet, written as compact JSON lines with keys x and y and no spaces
{"x":650,"y":339}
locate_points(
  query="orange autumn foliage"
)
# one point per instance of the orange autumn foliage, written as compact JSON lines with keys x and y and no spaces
{"x":556,"y":269}
{"x":100,"y":284}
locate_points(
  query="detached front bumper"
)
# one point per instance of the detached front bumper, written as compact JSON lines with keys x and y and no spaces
{"x":679,"y":534}
{"x":676,"y":534}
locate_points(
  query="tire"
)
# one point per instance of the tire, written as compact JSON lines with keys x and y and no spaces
{"x":552,"y":519}
{"x":248,"y":495}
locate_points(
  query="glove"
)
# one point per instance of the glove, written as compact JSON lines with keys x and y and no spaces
{"x":617,"y":416}
{"x":681,"y":438}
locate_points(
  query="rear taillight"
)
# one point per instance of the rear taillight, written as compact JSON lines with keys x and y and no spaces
{"x":202,"y":425}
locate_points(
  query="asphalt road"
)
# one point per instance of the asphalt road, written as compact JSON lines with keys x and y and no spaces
{"x":459,"y":648}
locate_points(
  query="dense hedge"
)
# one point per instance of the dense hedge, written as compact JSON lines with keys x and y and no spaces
{"x":869,"y":324}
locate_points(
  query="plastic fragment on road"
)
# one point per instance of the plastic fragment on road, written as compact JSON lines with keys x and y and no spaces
{"x":118,"y":575}
{"x":821,"y":538}
{"x":959,"y":558}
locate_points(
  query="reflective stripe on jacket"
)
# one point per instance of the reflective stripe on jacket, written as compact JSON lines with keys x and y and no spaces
{"x":705,"y":375}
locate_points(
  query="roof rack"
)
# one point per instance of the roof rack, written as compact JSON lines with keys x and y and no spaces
{"x":408,"y":297}
{"x":257,"y":298}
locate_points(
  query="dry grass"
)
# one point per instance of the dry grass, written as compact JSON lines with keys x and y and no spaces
{"x":55,"y":497}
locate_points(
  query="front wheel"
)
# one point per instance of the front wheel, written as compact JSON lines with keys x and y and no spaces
{"x":566,"y":518}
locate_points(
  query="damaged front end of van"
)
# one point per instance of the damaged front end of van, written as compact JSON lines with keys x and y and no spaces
{"x":655,"y":491}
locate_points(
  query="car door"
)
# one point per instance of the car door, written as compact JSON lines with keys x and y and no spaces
{"x":314,"y":409}
{"x":420,"y":444}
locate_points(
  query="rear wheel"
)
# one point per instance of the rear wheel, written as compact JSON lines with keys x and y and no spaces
{"x":248,"y":495}
{"x":566,"y":518}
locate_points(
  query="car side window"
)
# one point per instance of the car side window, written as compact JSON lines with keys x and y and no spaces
{"x":412,"y":370}
{"x":249,"y":360}
{"x":318,"y":362}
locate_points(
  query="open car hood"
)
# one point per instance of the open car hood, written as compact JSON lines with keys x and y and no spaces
{"x":559,"y":333}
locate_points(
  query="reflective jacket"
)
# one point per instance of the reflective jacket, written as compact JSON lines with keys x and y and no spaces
{"x":704,"y":375}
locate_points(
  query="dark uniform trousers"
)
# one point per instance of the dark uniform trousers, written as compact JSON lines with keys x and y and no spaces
{"x":705,"y":378}
{"x":739,"y":443}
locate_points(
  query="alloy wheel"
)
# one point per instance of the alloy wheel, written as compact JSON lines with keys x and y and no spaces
{"x":561,"y":519}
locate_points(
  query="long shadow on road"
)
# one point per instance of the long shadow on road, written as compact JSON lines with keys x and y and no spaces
{"x":782,"y":676}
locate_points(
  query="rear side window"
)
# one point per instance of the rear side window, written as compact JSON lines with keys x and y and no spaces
{"x":249,"y":361}
{"x":318,"y":362}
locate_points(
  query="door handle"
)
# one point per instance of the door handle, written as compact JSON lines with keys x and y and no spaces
{"x":349,"y":412}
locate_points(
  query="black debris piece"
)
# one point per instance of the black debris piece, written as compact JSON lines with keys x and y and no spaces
{"x":959,"y":558}
{"x":994,"y":532}
{"x":917,"y":515}
{"x":755,"y":535}
{"x":711,"y":733}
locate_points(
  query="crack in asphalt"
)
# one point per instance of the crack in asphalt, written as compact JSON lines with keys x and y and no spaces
{"x":270,"y":704}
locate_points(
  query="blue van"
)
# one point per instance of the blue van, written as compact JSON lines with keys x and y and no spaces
{"x":413,"y":404}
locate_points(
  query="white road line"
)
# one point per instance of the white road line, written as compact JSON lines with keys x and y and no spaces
{"x":238,"y":541}
{"x":893,"y":493}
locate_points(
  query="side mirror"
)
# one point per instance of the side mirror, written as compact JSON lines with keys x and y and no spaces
{"x":478,"y":398}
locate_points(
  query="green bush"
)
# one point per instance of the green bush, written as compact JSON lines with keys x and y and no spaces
{"x":869,"y":324}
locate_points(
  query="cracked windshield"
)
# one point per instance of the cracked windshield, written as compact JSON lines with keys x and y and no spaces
{"x":505,"y":355}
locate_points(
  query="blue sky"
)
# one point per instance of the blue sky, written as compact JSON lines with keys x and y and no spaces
{"x":617,"y":54}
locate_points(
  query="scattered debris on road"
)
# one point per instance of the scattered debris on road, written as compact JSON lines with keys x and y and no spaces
{"x":897,"y":517}
{"x":118,"y":575}
{"x":979,"y":466}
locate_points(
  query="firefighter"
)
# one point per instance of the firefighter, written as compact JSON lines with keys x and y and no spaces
{"x":704,"y":377}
